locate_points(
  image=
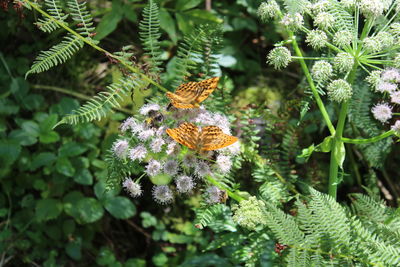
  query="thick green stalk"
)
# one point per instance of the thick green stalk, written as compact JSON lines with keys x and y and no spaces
{"x":310,"y":81}
{"x":337,"y":141}
{"x":369,"y":140}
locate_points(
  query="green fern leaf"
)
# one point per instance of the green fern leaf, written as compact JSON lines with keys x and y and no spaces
{"x":343,"y":19}
{"x":56,"y":55}
{"x":82,"y":16}
{"x":150,"y":35}
{"x":55,"y":10}
{"x":102,"y":103}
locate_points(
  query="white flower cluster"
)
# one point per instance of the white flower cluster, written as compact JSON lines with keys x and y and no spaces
{"x":146,"y":141}
{"x":386,"y":82}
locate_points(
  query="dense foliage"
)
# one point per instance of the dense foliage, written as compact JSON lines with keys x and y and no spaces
{"x":89,"y":176}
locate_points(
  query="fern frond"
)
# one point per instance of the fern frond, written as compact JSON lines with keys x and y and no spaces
{"x":56,"y":55}
{"x":209,"y":215}
{"x":330,"y":218}
{"x":188,"y":56}
{"x":55,"y":10}
{"x":343,"y":19}
{"x":150,"y":34}
{"x":102,"y":103}
{"x":284,"y":227}
{"x":295,"y":6}
{"x":82,"y":16}
{"x":212,"y":44}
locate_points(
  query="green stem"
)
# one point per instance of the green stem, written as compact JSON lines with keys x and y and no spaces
{"x":310,"y":81}
{"x":88,"y":41}
{"x":220,"y":186}
{"x":337,"y":141}
{"x":74,"y":94}
{"x":368,"y":140}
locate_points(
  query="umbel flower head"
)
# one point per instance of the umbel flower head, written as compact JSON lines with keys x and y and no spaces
{"x":382,"y":112}
{"x":340,"y":91}
{"x":317,"y":39}
{"x":322,"y":71}
{"x":279,"y":57}
{"x":249,"y":213}
{"x":162,"y":194}
{"x":268,"y":10}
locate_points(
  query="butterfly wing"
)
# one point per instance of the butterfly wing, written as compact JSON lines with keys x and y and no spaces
{"x":207,"y":87}
{"x":185,"y":95}
{"x":186,"y":134}
{"x":213,"y":138}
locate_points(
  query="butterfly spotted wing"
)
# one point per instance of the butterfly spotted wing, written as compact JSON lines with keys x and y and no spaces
{"x":213,"y":138}
{"x":186,"y":134}
{"x":189,"y":95}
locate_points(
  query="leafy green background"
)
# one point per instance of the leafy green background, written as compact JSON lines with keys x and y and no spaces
{"x":54,"y":209}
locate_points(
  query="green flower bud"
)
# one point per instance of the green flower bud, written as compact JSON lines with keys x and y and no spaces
{"x":317,"y":39}
{"x":268,"y":10}
{"x":343,"y":62}
{"x":371,"y":8}
{"x":372,"y":44}
{"x":322,"y":71}
{"x":279,"y":57}
{"x":249,"y":213}
{"x":343,"y":38}
{"x":395,"y":29}
{"x":324,"y":20}
{"x":387,"y":40}
{"x":374,"y":78}
{"x":339,"y":91}
{"x":293,"y":21}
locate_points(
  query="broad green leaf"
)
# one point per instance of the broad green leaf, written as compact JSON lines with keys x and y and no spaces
{"x":71,"y":149}
{"x":183,"y":24}
{"x":102,"y":193}
{"x":9,"y":152}
{"x":42,"y":159}
{"x":47,"y":209}
{"x":108,"y":24}
{"x":8,"y":107}
{"x":326,"y":145}
{"x":65,"y":167}
{"x":33,"y":102}
{"x":187,"y":4}
{"x":167,"y":23}
{"x":120,"y":207}
{"x":31,"y":128}
{"x":160,"y":259}
{"x":83,"y":176}
{"x":23,"y":138}
{"x":73,"y":249}
{"x":70,"y":201}
{"x":106,"y":257}
{"x":340,"y":153}
{"x":88,"y":210}
{"x":68,"y":227}
{"x":49,"y":137}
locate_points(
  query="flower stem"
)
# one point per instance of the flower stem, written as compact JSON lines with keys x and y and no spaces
{"x":90,"y":43}
{"x":368,"y":140}
{"x":337,"y":141}
{"x":310,"y":81}
{"x":220,"y":186}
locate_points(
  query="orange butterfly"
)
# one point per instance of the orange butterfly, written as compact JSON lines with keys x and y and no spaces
{"x":191,"y":94}
{"x":210,"y":137}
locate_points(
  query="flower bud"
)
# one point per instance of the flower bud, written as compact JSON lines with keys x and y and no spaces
{"x":279,"y":57}
{"x":372,"y":44}
{"x":374,"y":78}
{"x":317,"y":39}
{"x":371,"y":8}
{"x":324,"y":20}
{"x":268,"y":10}
{"x":339,"y":91}
{"x":342,"y":38}
{"x":293,"y":21}
{"x":343,"y":62}
{"x":322,"y":71}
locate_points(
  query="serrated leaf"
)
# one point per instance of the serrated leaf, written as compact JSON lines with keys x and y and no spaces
{"x":42,"y":159}
{"x":88,"y":210}
{"x":65,"y":167}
